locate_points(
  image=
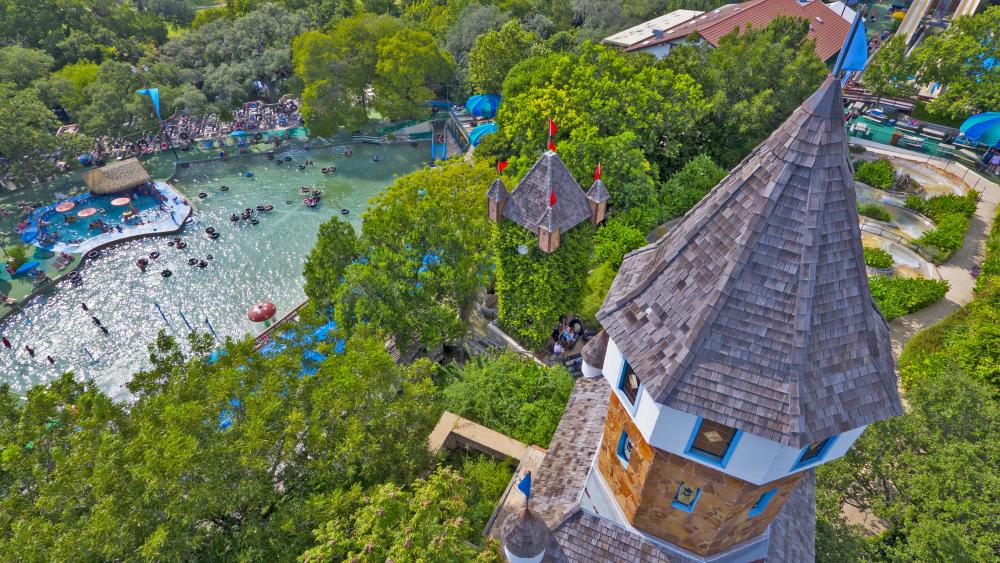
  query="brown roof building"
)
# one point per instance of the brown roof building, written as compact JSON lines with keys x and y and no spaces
{"x":117,"y":177}
{"x":739,"y":352}
{"x":826,"y":27}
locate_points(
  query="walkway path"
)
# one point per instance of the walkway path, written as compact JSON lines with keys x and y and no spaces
{"x":957,"y":270}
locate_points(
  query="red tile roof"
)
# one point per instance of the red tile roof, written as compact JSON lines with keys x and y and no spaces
{"x":825,"y":26}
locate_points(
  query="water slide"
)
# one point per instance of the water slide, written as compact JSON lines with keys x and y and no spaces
{"x":966,"y":8}
{"x":911,"y":22}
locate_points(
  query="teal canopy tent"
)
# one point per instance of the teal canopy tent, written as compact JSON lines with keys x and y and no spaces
{"x":483,"y":105}
{"x":983,"y":128}
{"x":485,"y":129}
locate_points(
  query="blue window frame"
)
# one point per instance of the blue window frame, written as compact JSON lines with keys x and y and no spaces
{"x":712,"y":442}
{"x":686,"y":497}
{"x":762,"y":502}
{"x":624,"y":449}
{"x":629,"y":384}
{"x":814,"y":453}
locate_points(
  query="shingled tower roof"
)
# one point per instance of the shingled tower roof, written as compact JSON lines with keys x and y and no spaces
{"x":755,"y":311}
{"x":528,"y":204}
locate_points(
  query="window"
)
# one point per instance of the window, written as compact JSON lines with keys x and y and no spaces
{"x":629,"y":383}
{"x":814,"y":452}
{"x":624,"y":449}
{"x":712,"y":442}
{"x":762,"y":502}
{"x":686,"y":497}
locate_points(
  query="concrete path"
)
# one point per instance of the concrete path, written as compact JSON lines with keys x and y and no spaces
{"x":957,"y":270}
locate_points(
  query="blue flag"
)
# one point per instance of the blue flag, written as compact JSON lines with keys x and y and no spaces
{"x":154,"y":96}
{"x":525,"y":486}
{"x":854,"y":52}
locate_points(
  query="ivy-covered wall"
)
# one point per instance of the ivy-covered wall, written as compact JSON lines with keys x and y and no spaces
{"x":535,"y":289}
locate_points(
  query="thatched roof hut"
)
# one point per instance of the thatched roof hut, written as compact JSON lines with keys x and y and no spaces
{"x":117,"y":177}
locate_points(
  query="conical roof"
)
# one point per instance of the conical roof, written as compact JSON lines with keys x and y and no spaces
{"x":528,"y":203}
{"x":498,"y":191}
{"x":755,"y":310}
{"x":525,"y":535}
{"x":598,"y":192}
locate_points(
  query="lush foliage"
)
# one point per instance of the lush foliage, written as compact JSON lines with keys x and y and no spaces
{"x":686,"y":187}
{"x":990,"y":267}
{"x":167,"y":480}
{"x":878,"y":258}
{"x":888,"y":73}
{"x":496,"y":52}
{"x":16,"y":255}
{"x":875,"y":211}
{"x":393,"y":523}
{"x":754,"y":81}
{"x":614,"y":240}
{"x":535,"y":289}
{"x":876,"y":173}
{"x":510,"y":394}
{"x":931,"y":476}
{"x":420,"y":257}
{"x":951,"y":214}
{"x":487,"y":479}
{"x":898,"y":296}
{"x":960,"y":59}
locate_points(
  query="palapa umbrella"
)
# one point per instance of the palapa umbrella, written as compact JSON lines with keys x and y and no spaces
{"x":262,"y":312}
{"x":86,"y":212}
{"x":120,"y":201}
{"x":65,"y":206}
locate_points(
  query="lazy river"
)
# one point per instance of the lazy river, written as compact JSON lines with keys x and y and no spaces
{"x":248,"y":263}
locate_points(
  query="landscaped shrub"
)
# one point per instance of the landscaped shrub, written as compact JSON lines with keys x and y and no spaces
{"x":900,"y":296}
{"x":938,"y":206}
{"x":487,"y":479}
{"x":950,"y":214}
{"x":875,"y":211}
{"x":876,"y":173}
{"x":598,"y":283}
{"x":615,"y":239}
{"x":991,"y":264}
{"x":878,"y":258}
{"x":689,"y":184}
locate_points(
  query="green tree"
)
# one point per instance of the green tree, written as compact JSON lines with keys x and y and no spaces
{"x":424,"y":522}
{"x":66,"y":87}
{"x":22,"y":66}
{"x":960,"y":58}
{"x":410,"y":69}
{"x":336,"y":247}
{"x":114,"y":108}
{"x":512,"y":395}
{"x":27,"y":135}
{"x":496,"y":52}
{"x":888,"y":73}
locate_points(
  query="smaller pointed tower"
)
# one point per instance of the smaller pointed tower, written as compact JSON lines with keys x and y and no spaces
{"x":597,"y":197}
{"x":497,"y":196}
{"x":525,"y":537}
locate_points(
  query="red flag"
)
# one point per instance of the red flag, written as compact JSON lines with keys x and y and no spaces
{"x":597,"y":172}
{"x":552,"y":146}
{"x":552,"y":198}
{"x":501,"y":164}
{"x":552,"y":127}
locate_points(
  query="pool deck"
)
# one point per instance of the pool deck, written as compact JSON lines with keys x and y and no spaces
{"x":22,"y":290}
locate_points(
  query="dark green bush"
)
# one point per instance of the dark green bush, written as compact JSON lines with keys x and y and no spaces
{"x":875,"y":211}
{"x":941,"y":205}
{"x":689,"y":184}
{"x":991,"y":265}
{"x":950,"y":214}
{"x":615,"y":239}
{"x":878,"y":258}
{"x":900,"y":296}
{"x":876,"y":173}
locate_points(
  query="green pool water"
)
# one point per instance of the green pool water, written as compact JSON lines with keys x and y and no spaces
{"x":249,"y":263}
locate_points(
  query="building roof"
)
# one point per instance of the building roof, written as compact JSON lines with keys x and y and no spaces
{"x":825,"y":26}
{"x":528,"y":204}
{"x":594,"y":351}
{"x":581,"y":536}
{"x":754,"y":311}
{"x":117,"y":177}
{"x":498,"y":191}
{"x":639,"y":32}
{"x":598,"y":192}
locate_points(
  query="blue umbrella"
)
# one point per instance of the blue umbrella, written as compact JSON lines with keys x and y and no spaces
{"x":26,"y":267}
{"x":29,"y":235}
{"x":983,"y":128}
{"x":238,"y":133}
{"x":483,"y":105}
{"x":485,"y":129}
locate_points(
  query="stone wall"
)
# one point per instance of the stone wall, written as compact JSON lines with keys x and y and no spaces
{"x":645,"y":492}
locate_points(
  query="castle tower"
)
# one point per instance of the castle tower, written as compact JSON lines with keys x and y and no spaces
{"x":743,"y":348}
{"x":597,"y":197}
{"x":548,"y":201}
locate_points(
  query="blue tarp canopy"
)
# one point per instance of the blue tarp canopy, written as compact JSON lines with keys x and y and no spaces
{"x":26,"y":267}
{"x":483,"y":105}
{"x":29,"y":235}
{"x":485,"y":129}
{"x":983,"y":128}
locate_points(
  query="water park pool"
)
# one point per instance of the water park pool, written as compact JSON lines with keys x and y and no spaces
{"x":92,"y":215}
{"x":248,"y":263}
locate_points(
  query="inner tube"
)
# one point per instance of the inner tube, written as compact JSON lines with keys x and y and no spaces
{"x":268,"y":207}
{"x":234,"y":217}
{"x":213,"y":235}
{"x":210,"y":230}
{"x":202,"y":195}
{"x":249,"y":174}
{"x":202,"y":264}
{"x":302,"y":167}
{"x":189,"y":220}
{"x":171,"y":243}
{"x":344,"y":211}
{"x":93,"y":254}
{"x":181,"y":245}
{"x":254,"y":221}
{"x":288,"y":159}
{"x":166,"y":273}
{"x":77,"y":282}
{"x":260,"y":208}
{"x":192,"y":261}
{"x":142,"y":262}
{"x":154,"y":255}
{"x":210,"y":257}
{"x":224,"y":189}
{"x":289,"y":202}
{"x":277,"y":161}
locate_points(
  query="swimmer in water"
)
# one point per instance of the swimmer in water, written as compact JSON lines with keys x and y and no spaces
{"x":30,"y":350}
{"x":104,"y":329}
{"x":84,"y":306}
{"x":6,"y":343}
{"x":51,"y":360}
{"x":95,"y":320}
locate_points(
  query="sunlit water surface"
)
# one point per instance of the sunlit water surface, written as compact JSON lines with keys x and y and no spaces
{"x":249,"y":263}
